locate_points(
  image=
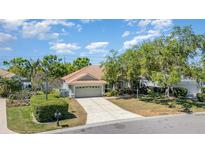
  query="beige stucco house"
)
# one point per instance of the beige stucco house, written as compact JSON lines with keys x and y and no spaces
{"x":86,"y":82}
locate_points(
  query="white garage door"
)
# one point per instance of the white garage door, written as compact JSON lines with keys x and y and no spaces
{"x":88,"y":91}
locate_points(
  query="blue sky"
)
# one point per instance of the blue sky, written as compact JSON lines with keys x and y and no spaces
{"x":70,"y":39}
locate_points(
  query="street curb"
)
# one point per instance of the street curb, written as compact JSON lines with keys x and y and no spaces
{"x":59,"y":131}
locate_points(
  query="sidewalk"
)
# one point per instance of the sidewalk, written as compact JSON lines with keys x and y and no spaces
{"x":3,"y":119}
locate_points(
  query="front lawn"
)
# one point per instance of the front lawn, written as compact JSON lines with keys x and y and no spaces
{"x":21,"y":120}
{"x":152,"y":107}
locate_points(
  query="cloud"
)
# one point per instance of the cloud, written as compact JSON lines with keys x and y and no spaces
{"x":6,"y":49}
{"x":131,"y":22}
{"x":64,"y":47}
{"x":11,"y":24}
{"x":86,"y":21}
{"x":6,"y":37}
{"x":97,"y":47}
{"x":149,"y":29}
{"x":39,"y":29}
{"x":143,"y":23}
{"x":42,"y":30}
{"x":79,"y":27}
{"x":160,"y":24}
{"x":157,"y":23}
{"x":125,"y":34}
{"x":151,"y":34}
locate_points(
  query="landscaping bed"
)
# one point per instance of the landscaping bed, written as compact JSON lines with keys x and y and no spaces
{"x":21,"y":119}
{"x":148,"y":106}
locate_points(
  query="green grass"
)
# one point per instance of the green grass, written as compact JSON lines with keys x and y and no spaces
{"x":42,"y":99}
{"x":149,"y":106}
{"x":20,"y":119}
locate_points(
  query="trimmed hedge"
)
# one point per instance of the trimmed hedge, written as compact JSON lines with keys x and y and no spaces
{"x":44,"y":112}
{"x":203,"y":90}
{"x":201,"y":97}
{"x":180,"y":91}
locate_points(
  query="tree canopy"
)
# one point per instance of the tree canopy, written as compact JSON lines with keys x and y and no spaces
{"x":164,"y":60}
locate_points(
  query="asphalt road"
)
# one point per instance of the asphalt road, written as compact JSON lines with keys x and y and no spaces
{"x":177,"y":124}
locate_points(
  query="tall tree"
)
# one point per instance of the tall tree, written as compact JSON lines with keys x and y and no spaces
{"x":18,"y":66}
{"x":54,"y":66}
{"x":81,"y":62}
{"x":160,"y":64}
{"x":112,"y":68}
{"x":131,"y":66}
{"x":23,"y":67}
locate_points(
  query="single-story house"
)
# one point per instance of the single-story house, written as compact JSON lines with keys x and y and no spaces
{"x":5,"y":74}
{"x":191,"y":85}
{"x":86,"y":82}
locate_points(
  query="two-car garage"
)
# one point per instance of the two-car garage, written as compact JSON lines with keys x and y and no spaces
{"x":88,"y":91}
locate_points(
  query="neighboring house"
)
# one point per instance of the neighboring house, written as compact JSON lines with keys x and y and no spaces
{"x":5,"y":74}
{"x":191,"y":85}
{"x":86,"y":82}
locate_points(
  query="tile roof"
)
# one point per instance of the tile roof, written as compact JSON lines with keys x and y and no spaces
{"x":94,"y":71}
{"x":6,"y":74}
{"x":88,"y":82}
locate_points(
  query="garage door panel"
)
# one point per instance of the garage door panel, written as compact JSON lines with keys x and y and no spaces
{"x":88,"y":91}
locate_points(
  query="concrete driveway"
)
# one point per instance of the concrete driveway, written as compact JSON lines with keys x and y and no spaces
{"x":101,"y":110}
{"x":3,"y":119}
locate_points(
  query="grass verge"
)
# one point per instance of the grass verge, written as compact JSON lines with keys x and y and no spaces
{"x":152,"y":107}
{"x":20,"y":119}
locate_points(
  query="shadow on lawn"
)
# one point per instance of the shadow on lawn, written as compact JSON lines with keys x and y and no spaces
{"x":69,"y":116}
{"x":66,"y":117}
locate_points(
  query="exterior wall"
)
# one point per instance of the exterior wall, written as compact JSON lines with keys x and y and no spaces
{"x":65,"y":86}
{"x":192,"y":86}
{"x":103,"y":90}
{"x":87,"y":77}
{"x":71,"y":91}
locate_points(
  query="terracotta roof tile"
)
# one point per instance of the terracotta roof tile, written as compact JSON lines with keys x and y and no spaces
{"x":92,"y":70}
{"x":6,"y":74}
{"x":88,"y":82}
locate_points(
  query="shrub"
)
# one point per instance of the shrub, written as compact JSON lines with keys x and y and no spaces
{"x":3,"y":91}
{"x":200,"y":97}
{"x":187,"y":107}
{"x":154,"y":93}
{"x":44,"y":112}
{"x":55,"y":93}
{"x":39,"y":93}
{"x":112,"y":93}
{"x":203,"y":90}
{"x":21,"y":95}
{"x":159,"y":90}
{"x":127,"y":91}
{"x":171,"y":105}
{"x":8,"y":86}
{"x":180,"y":91}
{"x":16,"y":103}
{"x":143,"y":90}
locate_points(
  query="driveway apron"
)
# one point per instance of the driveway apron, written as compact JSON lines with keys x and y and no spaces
{"x":101,"y":110}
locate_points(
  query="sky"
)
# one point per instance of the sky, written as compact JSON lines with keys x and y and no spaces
{"x":69,"y":39}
